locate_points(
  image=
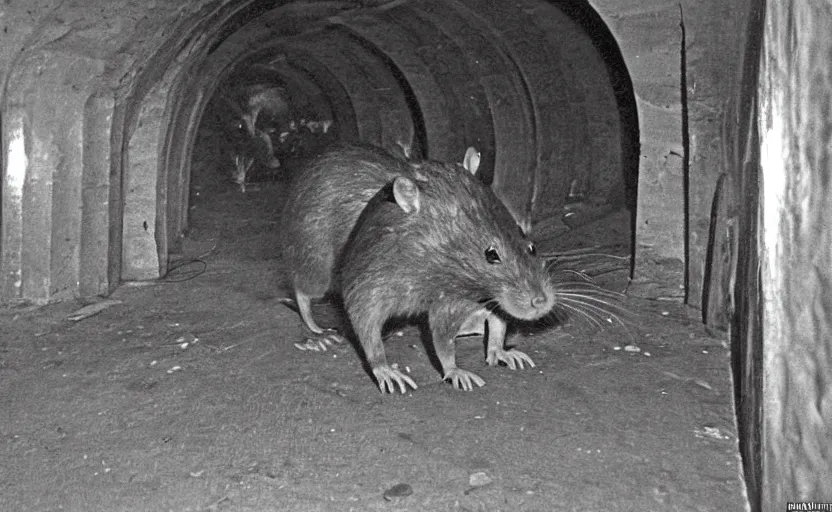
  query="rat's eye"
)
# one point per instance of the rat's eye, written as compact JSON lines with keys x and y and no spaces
{"x":531,"y":248}
{"x":492,"y":256}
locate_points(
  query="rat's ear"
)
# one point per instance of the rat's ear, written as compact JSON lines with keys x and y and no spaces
{"x":471,"y":162}
{"x":406,"y":194}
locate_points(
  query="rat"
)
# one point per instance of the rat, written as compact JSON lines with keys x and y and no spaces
{"x":439,"y":241}
{"x":322,"y":205}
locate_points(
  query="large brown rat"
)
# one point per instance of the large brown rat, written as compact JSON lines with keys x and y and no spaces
{"x":322,"y":205}
{"x":438,"y":241}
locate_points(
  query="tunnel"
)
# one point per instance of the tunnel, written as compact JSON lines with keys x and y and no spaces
{"x":540,"y":89}
{"x":652,"y":130}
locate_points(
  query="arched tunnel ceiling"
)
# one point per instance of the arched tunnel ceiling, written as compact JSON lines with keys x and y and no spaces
{"x":521,"y":82}
{"x":121,"y":87}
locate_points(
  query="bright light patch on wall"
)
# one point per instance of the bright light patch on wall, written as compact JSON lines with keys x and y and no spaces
{"x":772,"y":161}
{"x":15,"y":176}
{"x":16,"y":162}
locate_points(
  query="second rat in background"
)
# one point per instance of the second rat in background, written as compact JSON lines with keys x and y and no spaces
{"x":439,"y":241}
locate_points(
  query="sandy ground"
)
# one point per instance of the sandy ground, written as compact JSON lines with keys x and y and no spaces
{"x":187,"y":394}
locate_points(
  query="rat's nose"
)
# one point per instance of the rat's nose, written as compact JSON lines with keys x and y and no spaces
{"x":539,"y":301}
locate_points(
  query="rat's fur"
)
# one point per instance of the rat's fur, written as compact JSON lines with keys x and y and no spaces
{"x":428,"y":245}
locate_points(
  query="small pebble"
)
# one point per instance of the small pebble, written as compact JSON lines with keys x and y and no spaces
{"x":631,"y":348}
{"x":187,"y":339}
{"x":398,"y":491}
{"x":479,"y":479}
{"x":711,"y":432}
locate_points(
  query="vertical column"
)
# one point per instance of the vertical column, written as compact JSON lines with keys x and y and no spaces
{"x":140,"y":253}
{"x":650,"y":39}
{"x":15,"y":168}
{"x":96,"y":210}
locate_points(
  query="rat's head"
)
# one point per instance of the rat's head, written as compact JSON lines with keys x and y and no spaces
{"x":469,"y":243}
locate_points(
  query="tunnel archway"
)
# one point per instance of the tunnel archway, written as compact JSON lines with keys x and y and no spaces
{"x":526,"y":84}
{"x":98,"y":120}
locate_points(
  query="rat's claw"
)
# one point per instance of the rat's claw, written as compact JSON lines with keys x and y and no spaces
{"x":331,"y":337}
{"x":312,"y":345}
{"x":512,"y":358}
{"x":387,"y":378}
{"x":463,"y":379}
{"x":321,"y":342}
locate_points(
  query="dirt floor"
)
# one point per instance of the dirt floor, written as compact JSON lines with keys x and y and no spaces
{"x":187,"y":394}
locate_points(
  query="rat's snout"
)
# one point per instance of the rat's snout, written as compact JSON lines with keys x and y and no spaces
{"x":528,"y":301}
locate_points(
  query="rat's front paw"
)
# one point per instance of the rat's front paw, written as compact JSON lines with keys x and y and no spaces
{"x":463,"y":379}
{"x":512,"y":358}
{"x":387,"y":377}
